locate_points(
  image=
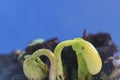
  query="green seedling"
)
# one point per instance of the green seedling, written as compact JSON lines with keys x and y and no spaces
{"x":35,"y":69}
{"x":89,"y":61}
{"x":36,"y":41}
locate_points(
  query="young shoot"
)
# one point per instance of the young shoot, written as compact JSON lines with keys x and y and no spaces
{"x":89,"y":61}
{"x":35,"y":69}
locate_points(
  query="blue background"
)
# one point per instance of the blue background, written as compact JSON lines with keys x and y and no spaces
{"x":22,"y":21}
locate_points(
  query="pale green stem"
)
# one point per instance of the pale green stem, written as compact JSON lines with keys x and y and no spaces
{"x":53,"y":62}
{"x":58,"y":50}
{"x":82,"y":68}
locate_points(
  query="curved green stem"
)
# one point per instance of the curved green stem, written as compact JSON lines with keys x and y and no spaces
{"x":58,"y":50}
{"x":85,"y":53}
{"x":37,"y":70}
{"x":53,"y":61}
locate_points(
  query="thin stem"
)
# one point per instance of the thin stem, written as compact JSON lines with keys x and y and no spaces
{"x":53,"y":61}
{"x":58,"y":50}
